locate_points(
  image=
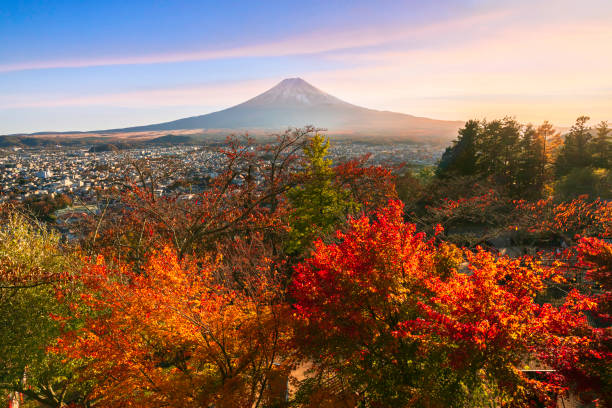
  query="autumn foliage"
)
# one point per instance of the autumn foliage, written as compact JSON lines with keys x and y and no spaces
{"x":586,"y":363}
{"x":388,"y":314}
{"x":171,"y":336}
{"x":294,"y":281}
{"x":580,"y":216}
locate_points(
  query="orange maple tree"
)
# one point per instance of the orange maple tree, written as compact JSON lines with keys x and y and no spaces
{"x":585,"y":363}
{"x":369,"y":185}
{"x":581,"y":216}
{"x":389,"y":318}
{"x":170,"y":334}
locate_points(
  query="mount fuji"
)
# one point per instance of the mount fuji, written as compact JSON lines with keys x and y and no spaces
{"x":292,"y":103}
{"x":295,"y":103}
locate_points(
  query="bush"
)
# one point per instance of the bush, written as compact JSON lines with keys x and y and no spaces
{"x":585,"y":181}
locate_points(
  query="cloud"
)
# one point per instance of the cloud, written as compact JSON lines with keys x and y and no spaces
{"x":316,"y":42}
{"x":218,"y":94}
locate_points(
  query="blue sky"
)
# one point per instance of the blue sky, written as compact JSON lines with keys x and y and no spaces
{"x":82,"y":65}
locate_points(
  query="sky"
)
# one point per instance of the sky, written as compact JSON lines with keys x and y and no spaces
{"x":87,"y":65}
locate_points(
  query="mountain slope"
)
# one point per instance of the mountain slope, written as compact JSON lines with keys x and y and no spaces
{"x":296,"y":103}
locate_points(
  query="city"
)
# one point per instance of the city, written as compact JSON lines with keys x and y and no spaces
{"x":82,"y":174}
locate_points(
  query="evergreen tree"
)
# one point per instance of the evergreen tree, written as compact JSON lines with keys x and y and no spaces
{"x":499,"y":151}
{"x":488,"y":147}
{"x":575,"y":152}
{"x":540,"y":153}
{"x":601,"y":146}
{"x":318,"y":205}
{"x":530,"y":177}
{"x":460,"y":158}
{"x":551,"y":139}
{"x":509,"y":153}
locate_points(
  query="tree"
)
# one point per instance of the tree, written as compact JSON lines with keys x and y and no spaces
{"x":499,"y":151}
{"x":370,"y":186}
{"x":32,"y":267}
{"x":389,"y":320}
{"x":551,"y":138}
{"x":584,"y":181}
{"x":460,"y":158}
{"x":601,"y":146}
{"x":318,"y":205}
{"x":248,"y":195}
{"x":410,"y":188}
{"x":585,"y":364}
{"x":510,"y":155}
{"x":583,"y":162}
{"x":547,"y":221}
{"x":488,"y":213}
{"x":552,"y":143}
{"x":575,"y":152}
{"x":596,"y":256}
{"x":43,"y":208}
{"x":531,"y":172}
{"x":173,"y":334}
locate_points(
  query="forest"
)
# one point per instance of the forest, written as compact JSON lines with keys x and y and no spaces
{"x":295,"y":281}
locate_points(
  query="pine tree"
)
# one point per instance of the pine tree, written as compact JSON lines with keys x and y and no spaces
{"x":498,"y":151}
{"x":575,"y":152}
{"x":460,"y":158}
{"x":530,"y":177}
{"x":510,"y":152}
{"x":488,"y":147}
{"x":318,"y":205}
{"x":551,"y":139}
{"x":601,"y":146}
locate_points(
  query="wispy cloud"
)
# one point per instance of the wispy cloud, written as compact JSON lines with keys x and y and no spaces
{"x":214,"y":95}
{"x":319,"y":41}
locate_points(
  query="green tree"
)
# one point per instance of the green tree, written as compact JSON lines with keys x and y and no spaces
{"x":575,"y":152}
{"x":503,"y":151}
{"x":531,"y":173}
{"x":601,"y":146}
{"x":585,"y":181}
{"x":318,"y":205}
{"x":31,"y":265}
{"x":499,"y":150}
{"x":460,"y":158}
